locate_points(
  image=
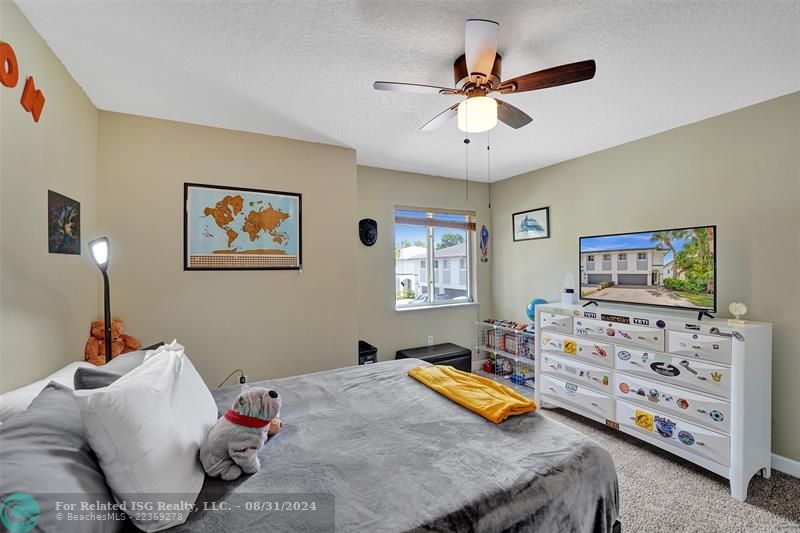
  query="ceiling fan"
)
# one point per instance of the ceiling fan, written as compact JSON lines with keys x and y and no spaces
{"x":478,"y":73}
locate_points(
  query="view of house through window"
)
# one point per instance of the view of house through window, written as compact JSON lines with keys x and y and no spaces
{"x":442,"y":240}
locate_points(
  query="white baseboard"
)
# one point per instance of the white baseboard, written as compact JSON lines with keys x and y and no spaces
{"x":786,"y":465}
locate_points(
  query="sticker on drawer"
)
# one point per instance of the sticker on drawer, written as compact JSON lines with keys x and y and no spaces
{"x":586,"y":349}
{"x":644,"y":420}
{"x":676,"y":431}
{"x":696,"y":374}
{"x":706,"y":410}
{"x":599,"y":377}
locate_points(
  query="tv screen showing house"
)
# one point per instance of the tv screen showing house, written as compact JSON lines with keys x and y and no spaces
{"x":669,"y":268}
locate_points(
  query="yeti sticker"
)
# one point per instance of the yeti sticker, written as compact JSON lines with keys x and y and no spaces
{"x":665,"y":369}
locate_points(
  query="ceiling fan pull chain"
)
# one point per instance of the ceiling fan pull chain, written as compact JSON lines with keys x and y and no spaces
{"x":466,"y":159}
{"x":489,"y":163}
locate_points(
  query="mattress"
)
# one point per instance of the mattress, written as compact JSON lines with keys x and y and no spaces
{"x":380,"y":452}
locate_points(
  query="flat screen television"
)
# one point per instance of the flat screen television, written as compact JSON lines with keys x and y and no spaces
{"x":667,"y":268}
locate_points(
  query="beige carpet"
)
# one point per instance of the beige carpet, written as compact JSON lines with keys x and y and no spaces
{"x":660,"y":492}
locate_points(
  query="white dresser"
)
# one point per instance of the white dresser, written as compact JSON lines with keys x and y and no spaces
{"x":698,"y":389}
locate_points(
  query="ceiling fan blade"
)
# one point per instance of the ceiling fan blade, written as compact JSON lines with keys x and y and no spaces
{"x":439,"y":120}
{"x":551,"y":77}
{"x":412,"y":88}
{"x":512,"y":116}
{"x":480,"y":46}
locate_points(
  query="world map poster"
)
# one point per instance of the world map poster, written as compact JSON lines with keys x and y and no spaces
{"x":229,"y":228}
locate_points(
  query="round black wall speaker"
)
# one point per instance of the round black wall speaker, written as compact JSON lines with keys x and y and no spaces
{"x":368,"y":231}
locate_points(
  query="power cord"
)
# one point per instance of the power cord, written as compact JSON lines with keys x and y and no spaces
{"x":242,"y":377}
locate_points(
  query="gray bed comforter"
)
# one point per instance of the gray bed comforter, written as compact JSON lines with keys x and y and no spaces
{"x":382,"y":452}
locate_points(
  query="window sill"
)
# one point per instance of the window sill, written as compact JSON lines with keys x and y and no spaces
{"x":435,"y":306}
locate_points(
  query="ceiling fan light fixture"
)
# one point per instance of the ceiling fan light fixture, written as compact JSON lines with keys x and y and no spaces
{"x":477,"y":114}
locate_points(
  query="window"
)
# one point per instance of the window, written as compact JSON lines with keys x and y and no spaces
{"x":641,"y":261}
{"x":442,"y":239}
{"x":590,"y":258}
{"x":607,"y":257}
{"x":622,"y":257}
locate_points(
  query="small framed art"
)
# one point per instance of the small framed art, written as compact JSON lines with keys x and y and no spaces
{"x":531,"y":224}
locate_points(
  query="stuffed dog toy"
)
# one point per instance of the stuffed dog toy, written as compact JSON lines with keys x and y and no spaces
{"x":232,"y":444}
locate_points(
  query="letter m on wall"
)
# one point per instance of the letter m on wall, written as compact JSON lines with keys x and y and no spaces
{"x":32,"y":99}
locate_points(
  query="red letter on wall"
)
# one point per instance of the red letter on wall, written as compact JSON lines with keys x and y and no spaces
{"x":32,"y":99}
{"x":9,"y":70}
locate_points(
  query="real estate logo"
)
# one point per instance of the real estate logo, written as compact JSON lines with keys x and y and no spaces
{"x":19,"y":512}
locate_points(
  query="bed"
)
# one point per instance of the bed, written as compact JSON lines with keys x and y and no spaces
{"x":376,"y":451}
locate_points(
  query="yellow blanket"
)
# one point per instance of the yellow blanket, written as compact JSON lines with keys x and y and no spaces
{"x":493,"y":401}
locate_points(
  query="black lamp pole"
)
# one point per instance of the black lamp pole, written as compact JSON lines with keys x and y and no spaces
{"x":107,"y":314}
{"x":100,"y":251}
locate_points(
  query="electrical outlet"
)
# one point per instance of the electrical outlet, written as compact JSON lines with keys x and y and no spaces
{"x":430,"y":340}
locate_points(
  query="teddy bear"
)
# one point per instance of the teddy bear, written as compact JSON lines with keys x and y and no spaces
{"x":232,"y":444}
{"x":95,"y":350}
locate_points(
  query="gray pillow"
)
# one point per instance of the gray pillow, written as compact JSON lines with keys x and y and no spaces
{"x":102,"y":376}
{"x":44,"y":454}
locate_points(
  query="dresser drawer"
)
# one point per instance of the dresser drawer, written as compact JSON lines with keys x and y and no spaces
{"x":679,"y":433}
{"x":628,"y":334}
{"x":596,"y":403}
{"x":696,"y":345}
{"x":705,"y":410}
{"x":594,"y":352}
{"x":677,"y":370}
{"x":592,"y":376}
{"x":555,"y":322}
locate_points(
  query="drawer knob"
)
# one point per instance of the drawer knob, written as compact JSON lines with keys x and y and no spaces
{"x":595,"y":404}
{"x":700,"y":443}
{"x":703,"y":411}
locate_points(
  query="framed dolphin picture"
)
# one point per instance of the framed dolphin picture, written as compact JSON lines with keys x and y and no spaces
{"x":531,"y":224}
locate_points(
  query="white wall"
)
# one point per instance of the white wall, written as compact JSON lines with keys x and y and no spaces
{"x":270,"y":323}
{"x":740,"y":171}
{"x":47,"y":301}
{"x":379,"y":192}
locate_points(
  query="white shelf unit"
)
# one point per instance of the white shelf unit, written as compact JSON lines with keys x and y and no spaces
{"x":507,"y":354}
{"x":700,"y":389}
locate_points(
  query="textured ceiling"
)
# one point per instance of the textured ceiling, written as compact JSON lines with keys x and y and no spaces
{"x":304,"y":69}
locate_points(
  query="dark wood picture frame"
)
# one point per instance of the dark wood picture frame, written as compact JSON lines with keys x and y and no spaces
{"x":299,"y":196}
{"x":528,"y":211}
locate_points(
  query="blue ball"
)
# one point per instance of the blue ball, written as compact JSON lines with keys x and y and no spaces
{"x":531,"y":311}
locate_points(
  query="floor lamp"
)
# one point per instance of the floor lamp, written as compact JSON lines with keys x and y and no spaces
{"x":100,"y":249}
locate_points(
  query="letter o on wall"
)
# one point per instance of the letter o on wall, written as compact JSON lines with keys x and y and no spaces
{"x":9,"y":70}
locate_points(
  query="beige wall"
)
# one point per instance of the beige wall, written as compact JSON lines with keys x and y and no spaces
{"x":379,"y":191}
{"x":270,"y":323}
{"x":47,"y":301}
{"x":740,"y":171}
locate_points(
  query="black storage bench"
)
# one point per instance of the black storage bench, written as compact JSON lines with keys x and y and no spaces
{"x":440,"y":354}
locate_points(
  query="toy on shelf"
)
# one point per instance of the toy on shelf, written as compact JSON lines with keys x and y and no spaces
{"x":509,"y":349}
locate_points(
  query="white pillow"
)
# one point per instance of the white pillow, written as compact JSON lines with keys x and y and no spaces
{"x":146,"y":429}
{"x":14,"y":401}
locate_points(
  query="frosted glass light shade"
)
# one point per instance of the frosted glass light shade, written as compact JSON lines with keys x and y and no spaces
{"x":477,"y":114}
{"x":99,"y":249}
